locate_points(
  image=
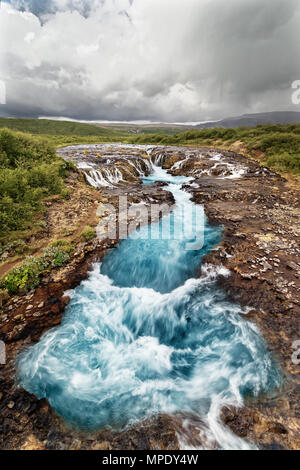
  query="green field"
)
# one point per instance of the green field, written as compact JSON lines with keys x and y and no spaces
{"x":55,"y":128}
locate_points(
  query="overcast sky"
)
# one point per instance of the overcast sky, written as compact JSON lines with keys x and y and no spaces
{"x":159,"y":60}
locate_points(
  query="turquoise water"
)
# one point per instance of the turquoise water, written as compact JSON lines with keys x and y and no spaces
{"x":143,"y":334}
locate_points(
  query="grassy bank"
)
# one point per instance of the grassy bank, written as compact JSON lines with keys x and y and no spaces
{"x":55,"y":128}
{"x":30,"y":171}
{"x":34,"y":181}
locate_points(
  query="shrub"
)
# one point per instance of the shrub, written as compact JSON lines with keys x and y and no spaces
{"x":65,"y":193}
{"x":18,"y":149}
{"x":285,"y":161}
{"x":55,"y":257}
{"x":29,"y":171}
{"x":63,"y":244}
{"x":24,"y":278}
{"x":27,"y":276}
{"x":88,"y":233}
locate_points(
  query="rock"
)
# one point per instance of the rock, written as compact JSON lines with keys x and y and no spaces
{"x":248,"y":277}
{"x":32,"y":443}
{"x":267,"y":266}
{"x":293,"y":266}
{"x":236,"y":218}
{"x":277,"y":428}
{"x":102,"y":446}
{"x":66,"y":300}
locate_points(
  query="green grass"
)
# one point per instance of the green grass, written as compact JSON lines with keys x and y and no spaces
{"x":63,"y":141}
{"x":55,"y":128}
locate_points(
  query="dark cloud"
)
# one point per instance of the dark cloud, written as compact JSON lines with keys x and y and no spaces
{"x":37,"y":7}
{"x":155,"y":59}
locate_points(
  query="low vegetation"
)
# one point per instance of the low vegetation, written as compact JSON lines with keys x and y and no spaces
{"x":54,"y":128}
{"x":30,"y":170}
{"x":88,"y":233}
{"x":27,"y":276}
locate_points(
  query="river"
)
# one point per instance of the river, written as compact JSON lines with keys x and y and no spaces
{"x":144,"y":334}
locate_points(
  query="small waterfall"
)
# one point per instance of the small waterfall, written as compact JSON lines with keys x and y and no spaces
{"x":179,"y":165}
{"x":158,"y":160}
{"x":113,"y":176}
{"x":229,"y":171}
{"x":138,"y":165}
{"x":148,"y":165}
{"x":95,"y":179}
{"x":105,"y":177}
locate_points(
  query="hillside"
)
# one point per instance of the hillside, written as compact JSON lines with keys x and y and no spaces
{"x":57,"y":128}
{"x":251,"y":120}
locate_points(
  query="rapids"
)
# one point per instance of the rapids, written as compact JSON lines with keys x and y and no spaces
{"x":144,"y":334}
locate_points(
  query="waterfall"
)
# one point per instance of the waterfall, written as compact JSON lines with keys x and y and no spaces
{"x":105,"y":177}
{"x":179,"y":165}
{"x":158,"y":160}
{"x":137,"y":165}
{"x":145,"y":335}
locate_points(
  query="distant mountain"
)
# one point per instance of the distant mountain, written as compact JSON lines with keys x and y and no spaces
{"x":250,"y":120}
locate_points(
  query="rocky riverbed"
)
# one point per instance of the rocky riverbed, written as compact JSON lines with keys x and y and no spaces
{"x":260,"y":213}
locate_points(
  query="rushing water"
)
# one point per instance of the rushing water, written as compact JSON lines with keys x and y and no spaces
{"x":144,"y":335}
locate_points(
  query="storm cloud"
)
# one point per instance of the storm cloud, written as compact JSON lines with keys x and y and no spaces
{"x":160,"y":60}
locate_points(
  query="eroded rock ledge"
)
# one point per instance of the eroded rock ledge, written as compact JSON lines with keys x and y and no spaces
{"x":260,"y":214}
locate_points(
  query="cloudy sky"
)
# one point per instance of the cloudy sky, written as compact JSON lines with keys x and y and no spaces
{"x":159,"y":60}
